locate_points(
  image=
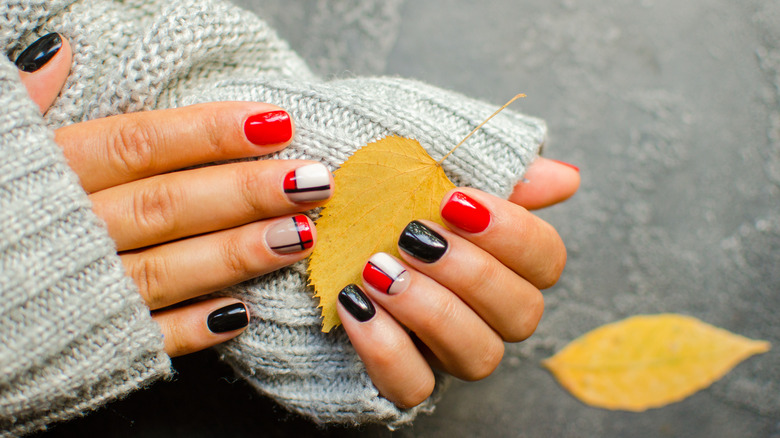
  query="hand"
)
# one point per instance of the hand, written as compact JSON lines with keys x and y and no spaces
{"x":461,"y":290}
{"x":182,"y":234}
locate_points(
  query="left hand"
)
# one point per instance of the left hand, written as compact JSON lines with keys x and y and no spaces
{"x":461,"y":290}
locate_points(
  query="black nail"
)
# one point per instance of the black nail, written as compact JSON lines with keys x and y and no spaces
{"x":39,"y":53}
{"x":228,"y":318}
{"x":422,"y":242}
{"x":357,"y":303}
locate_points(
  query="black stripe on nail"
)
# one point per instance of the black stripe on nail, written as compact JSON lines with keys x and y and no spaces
{"x":422,"y":243}
{"x":39,"y":53}
{"x":302,"y":245}
{"x":357,"y":303}
{"x":307,"y":189}
{"x":228,"y":318}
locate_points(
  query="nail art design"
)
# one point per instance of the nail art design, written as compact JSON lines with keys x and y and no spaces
{"x":290,"y":235}
{"x":385,"y":274}
{"x":228,"y":318}
{"x":39,"y":53}
{"x":422,"y":243}
{"x":272,"y":127}
{"x":357,"y":303}
{"x":308,"y":183}
{"x":466,"y":213}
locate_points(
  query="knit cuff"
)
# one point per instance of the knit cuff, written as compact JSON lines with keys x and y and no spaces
{"x":283,"y":353}
{"x":75,"y":332}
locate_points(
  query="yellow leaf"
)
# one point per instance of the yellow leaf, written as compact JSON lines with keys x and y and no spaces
{"x":379,"y":190}
{"x":648,"y":361}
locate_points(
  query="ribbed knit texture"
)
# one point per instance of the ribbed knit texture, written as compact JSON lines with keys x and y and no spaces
{"x":75,"y":332}
{"x":139,"y":55}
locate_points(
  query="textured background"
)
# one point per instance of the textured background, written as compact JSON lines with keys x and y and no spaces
{"x":672,"y":111}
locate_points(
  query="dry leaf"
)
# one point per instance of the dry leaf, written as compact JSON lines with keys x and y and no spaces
{"x":379,"y":190}
{"x":648,"y":361}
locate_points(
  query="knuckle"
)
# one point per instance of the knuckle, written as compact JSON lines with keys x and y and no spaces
{"x":417,"y":393}
{"x":177,"y":339}
{"x":235,"y":259}
{"x":250,"y":183}
{"x":213,"y":125}
{"x":523,"y":327}
{"x":446,"y":308}
{"x":554,"y":268}
{"x":484,"y":272}
{"x":486,"y":362}
{"x":155,"y":207}
{"x":132,"y":148}
{"x":149,"y":275}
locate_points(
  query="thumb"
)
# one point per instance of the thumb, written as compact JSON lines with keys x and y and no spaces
{"x":44,"y":67}
{"x":547,"y":182}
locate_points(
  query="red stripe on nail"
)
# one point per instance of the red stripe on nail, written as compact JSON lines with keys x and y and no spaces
{"x":376,"y":277}
{"x":289,"y":181}
{"x":304,"y":231}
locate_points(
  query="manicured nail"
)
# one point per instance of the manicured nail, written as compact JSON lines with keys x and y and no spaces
{"x":422,"y":243}
{"x":466,"y":213}
{"x":357,"y":303}
{"x":308,"y":183}
{"x":272,"y":127}
{"x":39,"y":53}
{"x":385,"y":274}
{"x":228,"y":318}
{"x":567,"y":164}
{"x":290,"y":235}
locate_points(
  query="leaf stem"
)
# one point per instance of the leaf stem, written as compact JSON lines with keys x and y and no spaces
{"x":480,"y":125}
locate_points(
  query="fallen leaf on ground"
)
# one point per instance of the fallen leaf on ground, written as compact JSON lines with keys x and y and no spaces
{"x":380,"y":189}
{"x":648,"y":361}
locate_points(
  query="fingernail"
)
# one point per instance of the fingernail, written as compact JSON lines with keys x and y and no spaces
{"x":39,"y":53}
{"x":567,"y":164}
{"x":272,"y":127}
{"x":357,"y":303}
{"x":466,"y":213}
{"x":228,"y":318}
{"x":308,"y":183}
{"x":422,"y":243}
{"x":290,"y":235}
{"x":385,"y":274}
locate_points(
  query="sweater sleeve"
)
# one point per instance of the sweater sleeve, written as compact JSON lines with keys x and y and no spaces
{"x":75,"y":332}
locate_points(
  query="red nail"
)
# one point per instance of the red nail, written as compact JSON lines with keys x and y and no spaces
{"x":466,"y":213}
{"x":567,"y":164}
{"x":273,"y":127}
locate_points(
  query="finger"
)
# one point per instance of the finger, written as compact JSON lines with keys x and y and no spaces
{"x":114,"y":150}
{"x":188,"y":268}
{"x":44,"y":67}
{"x":181,"y":204}
{"x":462,"y":342}
{"x":395,"y":365}
{"x":547,"y":182}
{"x":520,"y":240}
{"x":200,"y":325}
{"x":507,"y":302}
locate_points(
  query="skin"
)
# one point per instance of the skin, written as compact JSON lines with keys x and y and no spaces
{"x":184,"y":233}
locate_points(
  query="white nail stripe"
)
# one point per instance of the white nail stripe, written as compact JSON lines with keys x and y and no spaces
{"x":387,"y":264}
{"x":311,"y":176}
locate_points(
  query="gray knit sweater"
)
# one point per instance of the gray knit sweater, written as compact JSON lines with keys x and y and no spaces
{"x":75,"y":333}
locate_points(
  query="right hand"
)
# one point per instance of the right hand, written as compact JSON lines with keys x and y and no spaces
{"x":182,"y":234}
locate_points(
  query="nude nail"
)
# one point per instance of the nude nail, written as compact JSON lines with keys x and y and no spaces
{"x":290,"y":235}
{"x":384,"y":273}
{"x":308,"y":183}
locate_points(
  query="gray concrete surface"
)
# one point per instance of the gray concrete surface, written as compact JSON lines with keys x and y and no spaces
{"x":671,"y":109}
